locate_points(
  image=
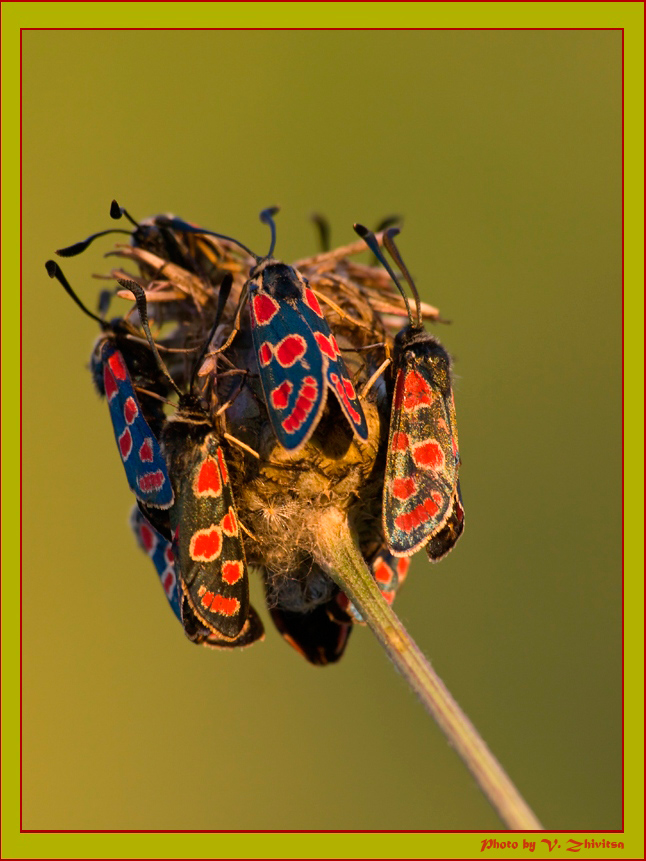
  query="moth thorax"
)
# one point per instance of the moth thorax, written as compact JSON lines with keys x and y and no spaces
{"x":282,"y":281}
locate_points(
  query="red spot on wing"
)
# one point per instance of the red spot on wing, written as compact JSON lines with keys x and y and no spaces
{"x":340,"y":389}
{"x":147,"y":538}
{"x":454,"y":447}
{"x":125,"y":444}
{"x":419,"y":515}
{"x":207,"y":481}
{"x":205,"y":544}
{"x":169,"y":556}
{"x":442,"y":425}
{"x":327,"y":345}
{"x":146,"y":451}
{"x":383,"y":573}
{"x":109,"y":383}
{"x":169,"y":582}
{"x":428,"y":455}
{"x":118,"y":366}
{"x":264,"y":353}
{"x":389,"y":596}
{"x":264,"y":308}
{"x":400,"y":441}
{"x":223,"y":467}
{"x":217,"y":603}
{"x":130,"y":410}
{"x":403,"y":564}
{"x":232,"y":572}
{"x":303,"y":406}
{"x":280,"y":395}
{"x":349,"y":388}
{"x":399,"y":391}
{"x":151,"y":481}
{"x":403,"y":488}
{"x":229,"y":523}
{"x":290,"y":350}
{"x":312,"y":301}
{"x":417,"y":392}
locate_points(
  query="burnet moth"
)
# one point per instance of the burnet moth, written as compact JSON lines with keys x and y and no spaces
{"x":308,"y":610}
{"x":298,"y":356}
{"x":154,"y":235}
{"x":422,"y":506}
{"x":206,"y":538}
{"x":160,"y":551}
{"x":116,"y":360}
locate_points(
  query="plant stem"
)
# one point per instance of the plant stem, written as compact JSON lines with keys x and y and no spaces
{"x":341,"y":557}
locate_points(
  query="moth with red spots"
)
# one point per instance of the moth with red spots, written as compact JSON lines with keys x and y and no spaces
{"x":421,"y":505}
{"x":117,"y":359}
{"x":206,"y":538}
{"x":298,"y":356}
{"x":161,"y":553}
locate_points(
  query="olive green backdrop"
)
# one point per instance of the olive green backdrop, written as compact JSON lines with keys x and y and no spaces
{"x":501,"y":150}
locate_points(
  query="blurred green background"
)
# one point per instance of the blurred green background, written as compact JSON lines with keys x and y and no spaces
{"x":501,"y":150}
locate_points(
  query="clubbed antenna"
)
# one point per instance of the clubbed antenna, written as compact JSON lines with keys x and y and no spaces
{"x":54,"y":271}
{"x":117,"y":212}
{"x":371,"y":241}
{"x":389,"y":242}
{"x":79,"y":247}
{"x":267,"y":217}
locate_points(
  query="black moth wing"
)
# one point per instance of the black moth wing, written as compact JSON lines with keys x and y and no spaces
{"x":423,"y":458}
{"x":443,"y":541}
{"x":320,"y":635}
{"x":252,"y":630}
{"x":204,"y":523}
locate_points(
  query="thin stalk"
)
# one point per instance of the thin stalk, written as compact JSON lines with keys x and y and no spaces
{"x":340,"y":556}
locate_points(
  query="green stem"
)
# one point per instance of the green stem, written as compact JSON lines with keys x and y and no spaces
{"x":341,"y":558}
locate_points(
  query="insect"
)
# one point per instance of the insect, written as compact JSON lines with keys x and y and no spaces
{"x":298,"y":356}
{"x":117,"y":359}
{"x":160,"y":551}
{"x":320,"y":635}
{"x":206,"y":540}
{"x":421,"y":504}
{"x":155,"y":235}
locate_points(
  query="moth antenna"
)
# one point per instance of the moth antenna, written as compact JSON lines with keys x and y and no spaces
{"x":179,"y":224}
{"x":54,"y":271}
{"x":78,"y":247}
{"x":267,"y":217}
{"x":323,"y":227}
{"x":371,"y":241}
{"x":389,"y":242}
{"x":142,"y":307}
{"x":223,"y":295}
{"x":117,"y":211}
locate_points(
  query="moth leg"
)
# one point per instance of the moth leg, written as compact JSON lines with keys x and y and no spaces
{"x":373,"y":379}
